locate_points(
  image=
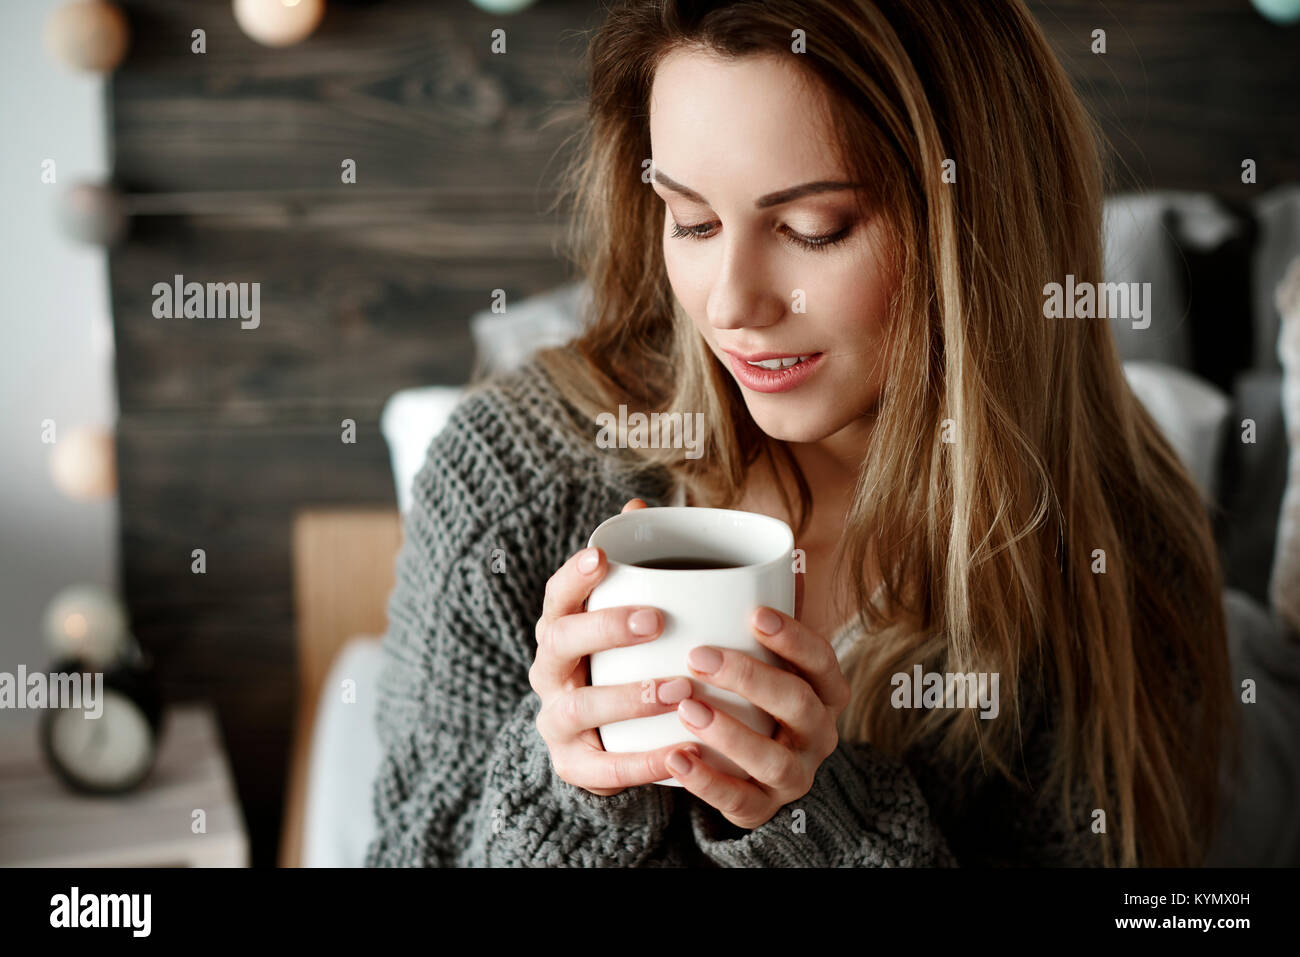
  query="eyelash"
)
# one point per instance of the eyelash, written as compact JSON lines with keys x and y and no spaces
{"x":810,"y":243}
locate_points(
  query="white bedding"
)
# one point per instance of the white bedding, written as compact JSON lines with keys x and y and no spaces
{"x":338,"y":821}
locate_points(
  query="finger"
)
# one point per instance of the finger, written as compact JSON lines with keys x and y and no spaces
{"x":572,"y":582}
{"x":767,"y":761}
{"x":785,"y":696}
{"x":593,"y":770}
{"x":634,"y":504}
{"x":742,"y":803}
{"x":591,"y":707}
{"x":809,"y":653}
{"x":584,"y":633}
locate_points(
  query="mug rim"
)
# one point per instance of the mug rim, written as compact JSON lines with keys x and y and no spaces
{"x":780,"y":527}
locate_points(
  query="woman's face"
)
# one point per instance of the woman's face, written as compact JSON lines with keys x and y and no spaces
{"x":728,"y":137}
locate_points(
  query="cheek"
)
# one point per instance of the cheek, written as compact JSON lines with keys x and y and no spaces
{"x":869,"y":290}
{"x":855,"y":307}
{"x":688,"y":289}
{"x":686,"y":277}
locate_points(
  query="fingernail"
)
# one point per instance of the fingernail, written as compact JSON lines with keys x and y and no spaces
{"x":705,"y":659}
{"x":694,"y":713}
{"x":679,"y":762}
{"x":644,"y":621}
{"x":767,"y":621}
{"x":671,"y":692}
{"x":588,"y":561}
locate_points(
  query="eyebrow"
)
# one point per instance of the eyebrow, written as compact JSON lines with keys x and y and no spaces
{"x":780,"y":197}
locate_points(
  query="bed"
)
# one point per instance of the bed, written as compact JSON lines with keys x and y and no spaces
{"x":343,"y":559}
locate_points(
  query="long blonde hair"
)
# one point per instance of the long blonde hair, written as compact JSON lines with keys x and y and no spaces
{"x":989,"y":545}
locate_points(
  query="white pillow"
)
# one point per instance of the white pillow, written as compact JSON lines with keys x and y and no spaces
{"x":1192,"y":414}
{"x":504,"y":341}
{"x":1284,"y":583}
{"x":1139,"y":247}
{"x":338,"y":820}
{"x":1277,"y":246}
{"x":410,"y":420}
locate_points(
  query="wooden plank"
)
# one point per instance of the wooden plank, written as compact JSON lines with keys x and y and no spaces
{"x":410,"y":90}
{"x":347,"y":315}
{"x":231,"y":492}
{"x":1186,"y":90}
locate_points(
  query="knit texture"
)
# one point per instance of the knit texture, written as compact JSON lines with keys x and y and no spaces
{"x":507,"y":493}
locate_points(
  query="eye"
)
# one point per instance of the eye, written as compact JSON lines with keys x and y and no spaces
{"x":812,"y":243}
{"x":688,"y":232}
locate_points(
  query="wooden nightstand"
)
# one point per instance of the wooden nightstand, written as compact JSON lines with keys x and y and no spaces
{"x":44,"y":824}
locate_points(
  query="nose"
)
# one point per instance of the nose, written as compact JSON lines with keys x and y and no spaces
{"x":742,"y":295}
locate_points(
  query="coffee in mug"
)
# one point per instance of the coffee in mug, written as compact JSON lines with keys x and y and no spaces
{"x":706,"y":570}
{"x":684,"y":563}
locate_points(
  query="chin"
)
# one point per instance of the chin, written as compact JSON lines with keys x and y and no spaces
{"x":793,"y":424}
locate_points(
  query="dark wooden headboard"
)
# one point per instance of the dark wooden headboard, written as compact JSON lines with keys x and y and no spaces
{"x":232,"y":160}
{"x":1186,"y":89}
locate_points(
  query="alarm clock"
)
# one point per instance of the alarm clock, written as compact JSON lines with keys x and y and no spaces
{"x":115,"y":751}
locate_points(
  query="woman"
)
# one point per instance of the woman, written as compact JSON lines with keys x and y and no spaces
{"x":972,"y":484}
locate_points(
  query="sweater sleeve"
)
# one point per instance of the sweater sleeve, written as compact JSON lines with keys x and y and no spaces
{"x":465,"y":778}
{"x":864,"y":810}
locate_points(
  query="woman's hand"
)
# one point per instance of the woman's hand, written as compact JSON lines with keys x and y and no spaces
{"x":805,"y":701}
{"x":806,"y":705}
{"x":571,"y":709}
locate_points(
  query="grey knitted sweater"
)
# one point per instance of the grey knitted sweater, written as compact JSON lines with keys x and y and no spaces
{"x":505,"y":496}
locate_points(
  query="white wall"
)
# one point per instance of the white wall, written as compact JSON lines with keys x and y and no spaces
{"x":55,"y":337}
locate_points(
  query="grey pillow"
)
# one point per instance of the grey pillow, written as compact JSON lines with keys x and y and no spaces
{"x":1254,"y":479}
{"x":1259,"y":827}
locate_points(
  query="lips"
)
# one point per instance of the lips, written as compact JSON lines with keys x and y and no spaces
{"x":778,"y":372}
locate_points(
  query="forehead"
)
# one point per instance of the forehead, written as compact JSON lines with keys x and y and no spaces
{"x":713,"y":120}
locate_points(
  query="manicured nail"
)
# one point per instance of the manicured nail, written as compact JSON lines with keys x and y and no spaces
{"x":588,"y":561}
{"x":705,"y":659}
{"x":767,"y":621}
{"x":671,"y":692}
{"x":695,"y":713}
{"x":679,"y":762}
{"x":643,"y":621}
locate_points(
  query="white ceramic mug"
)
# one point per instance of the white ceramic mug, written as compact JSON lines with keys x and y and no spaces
{"x":711,"y":606}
